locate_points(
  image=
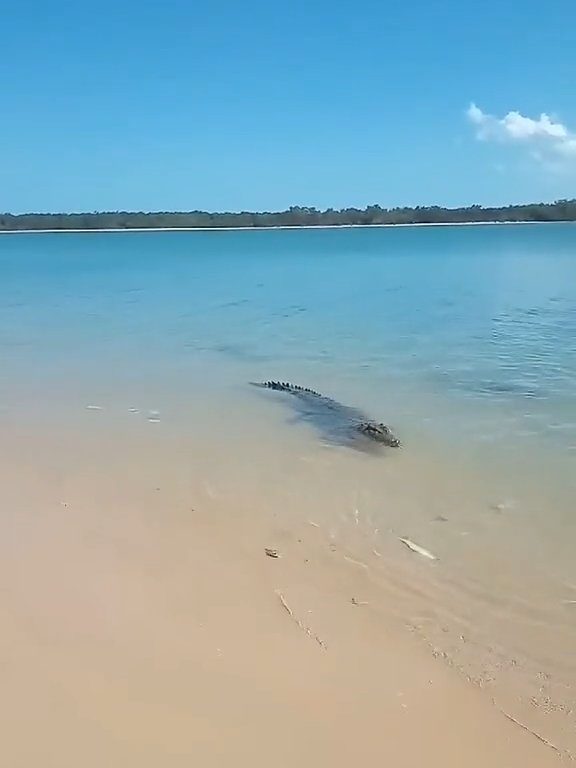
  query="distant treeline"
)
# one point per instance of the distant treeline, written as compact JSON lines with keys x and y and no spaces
{"x":561,"y":210}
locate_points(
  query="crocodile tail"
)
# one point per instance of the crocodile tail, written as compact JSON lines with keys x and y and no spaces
{"x":278,"y":385}
{"x":285,"y":386}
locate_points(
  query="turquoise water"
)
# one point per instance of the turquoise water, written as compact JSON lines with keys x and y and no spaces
{"x":466,"y":331}
{"x":463,"y":339}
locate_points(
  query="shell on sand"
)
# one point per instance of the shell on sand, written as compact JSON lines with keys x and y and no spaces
{"x":418,"y":549}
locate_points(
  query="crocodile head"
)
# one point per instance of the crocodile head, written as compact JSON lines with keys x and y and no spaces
{"x":379,"y":432}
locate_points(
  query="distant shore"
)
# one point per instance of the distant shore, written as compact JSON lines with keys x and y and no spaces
{"x":275,"y":227}
{"x":294,"y":217}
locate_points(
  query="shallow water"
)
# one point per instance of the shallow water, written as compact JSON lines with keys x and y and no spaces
{"x":463,"y":339}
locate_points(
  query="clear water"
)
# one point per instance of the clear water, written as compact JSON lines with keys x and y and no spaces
{"x":471,"y":329}
{"x":463,"y":339}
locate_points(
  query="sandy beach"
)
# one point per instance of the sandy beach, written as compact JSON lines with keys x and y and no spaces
{"x":143,"y":624}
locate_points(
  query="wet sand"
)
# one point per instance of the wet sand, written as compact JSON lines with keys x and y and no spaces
{"x":142,"y":623}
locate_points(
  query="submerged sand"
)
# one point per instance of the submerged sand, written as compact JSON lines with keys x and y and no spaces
{"x":143,"y":624}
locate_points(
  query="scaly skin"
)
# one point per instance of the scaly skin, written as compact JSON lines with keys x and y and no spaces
{"x":373,"y":430}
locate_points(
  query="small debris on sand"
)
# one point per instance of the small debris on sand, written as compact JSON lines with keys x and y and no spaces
{"x":529,"y":730}
{"x":418,"y":549}
{"x":358,"y":602}
{"x":297,"y":621}
{"x":503,"y":506}
{"x":272,"y":552}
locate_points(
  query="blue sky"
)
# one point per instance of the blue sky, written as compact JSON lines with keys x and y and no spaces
{"x":260,"y":105}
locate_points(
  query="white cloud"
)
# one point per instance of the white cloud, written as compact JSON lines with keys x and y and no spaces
{"x":543,"y":136}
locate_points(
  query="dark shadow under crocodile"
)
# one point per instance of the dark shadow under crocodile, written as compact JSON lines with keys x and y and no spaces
{"x":337,"y":423}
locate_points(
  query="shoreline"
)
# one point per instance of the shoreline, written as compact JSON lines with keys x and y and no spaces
{"x":278,"y":227}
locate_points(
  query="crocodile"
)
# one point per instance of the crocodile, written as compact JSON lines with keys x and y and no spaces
{"x":339,"y":423}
